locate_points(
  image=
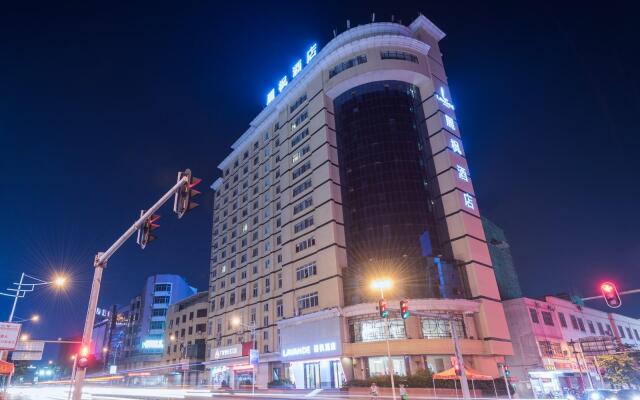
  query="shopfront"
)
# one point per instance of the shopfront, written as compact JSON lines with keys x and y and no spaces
{"x":311,"y":349}
{"x":555,"y":383}
{"x":230,"y":367}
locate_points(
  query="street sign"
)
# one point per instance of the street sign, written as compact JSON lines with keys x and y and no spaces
{"x":254,"y":357}
{"x":113,"y":369}
{"x":26,"y":356}
{"x":6,"y":368}
{"x":9,"y":333}
{"x":30,"y":345}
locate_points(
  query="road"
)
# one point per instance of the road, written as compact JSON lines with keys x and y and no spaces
{"x":52,"y":392}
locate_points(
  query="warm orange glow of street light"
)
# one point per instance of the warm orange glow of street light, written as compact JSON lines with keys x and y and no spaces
{"x":60,"y":281}
{"x":172,"y":337}
{"x":24,"y":337}
{"x":35,"y":318}
{"x":235,"y":321}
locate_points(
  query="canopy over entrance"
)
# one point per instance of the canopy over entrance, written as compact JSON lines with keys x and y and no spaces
{"x":471,"y":374}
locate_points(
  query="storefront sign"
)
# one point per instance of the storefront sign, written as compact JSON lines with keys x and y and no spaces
{"x":9,"y":333}
{"x":317,"y":348}
{"x":28,"y":350}
{"x":311,"y":339}
{"x":153,"y":344}
{"x":254,"y":357}
{"x":227,"y":352}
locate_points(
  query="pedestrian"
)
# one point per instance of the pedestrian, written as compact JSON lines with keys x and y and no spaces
{"x":374,"y":390}
{"x":403,"y":392}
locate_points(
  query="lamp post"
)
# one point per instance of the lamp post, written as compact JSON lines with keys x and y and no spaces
{"x":29,"y":286}
{"x":382,"y":284}
{"x":254,"y":346}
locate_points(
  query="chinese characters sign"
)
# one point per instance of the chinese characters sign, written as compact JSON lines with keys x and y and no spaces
{"x":9,"y":333}
{"x":295,"y":70}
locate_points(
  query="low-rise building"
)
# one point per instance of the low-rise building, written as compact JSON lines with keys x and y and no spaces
{"x":555,"y":342}
{"x":186,"y":333}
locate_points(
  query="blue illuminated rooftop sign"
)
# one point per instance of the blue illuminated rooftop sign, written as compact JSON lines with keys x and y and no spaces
{"x":295,"y":70}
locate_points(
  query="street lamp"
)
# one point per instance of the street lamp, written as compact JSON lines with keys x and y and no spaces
{"x":382,"y":284}
{"x":24,"y":287}
{"x":24,"y":337}
{"x":236,"y":321}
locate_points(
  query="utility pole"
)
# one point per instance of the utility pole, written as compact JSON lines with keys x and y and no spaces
{"x":456,"y":346}
{"x":183,"y":191}
{"x":506,"y":381}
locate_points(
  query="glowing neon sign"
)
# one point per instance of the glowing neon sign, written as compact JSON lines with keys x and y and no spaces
{"x":152,"y":344}
{"x":468,"y":201}
{"x":442,"y":98}
{"x":449,"y":122}
{"x":295,"y":70}
{"x":455,"y":146}
{"x":462,"y":173}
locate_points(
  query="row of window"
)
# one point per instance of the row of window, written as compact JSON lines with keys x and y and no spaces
{"x":577,"y":323}
{"x":343,"y":66}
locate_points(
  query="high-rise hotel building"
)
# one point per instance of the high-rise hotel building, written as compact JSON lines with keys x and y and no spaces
{"x":354,"y":172}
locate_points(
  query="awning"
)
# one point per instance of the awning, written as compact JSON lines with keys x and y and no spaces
{"x":6,"y":368}
{"x":471,"y":374}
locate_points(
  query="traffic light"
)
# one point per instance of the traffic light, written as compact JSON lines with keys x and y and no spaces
{"x":610,"y":294}
{"x":145,"y":231}
{"x":83,"y":357}
{"x":507,"y":373}
{"x":404,"y":309}
{"x":382,"y":307}
{"x":182,"y":201}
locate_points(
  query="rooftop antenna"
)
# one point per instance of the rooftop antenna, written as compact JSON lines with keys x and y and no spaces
{"x":373,"y":17}
{"x":393,"y":18}
{"x":334,"y":32}
{"x":348,"y":24}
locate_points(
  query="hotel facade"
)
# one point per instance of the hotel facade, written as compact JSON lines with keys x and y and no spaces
{"x":354,"y":171}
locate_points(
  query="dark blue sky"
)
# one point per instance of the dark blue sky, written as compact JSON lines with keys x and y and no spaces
{"x":101,"y":104}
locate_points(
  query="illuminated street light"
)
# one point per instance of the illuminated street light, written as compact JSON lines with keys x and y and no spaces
{"x":104,"y":349}
{"x":24,"y":337}
{"x":60,"y":281}
{"x":172,"y":337}
{"x":381,"y":284}
{"x":28,"y":286}
{"x":35,"y":318}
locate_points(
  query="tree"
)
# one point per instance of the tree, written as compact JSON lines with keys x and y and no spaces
{"x":620,"y":369}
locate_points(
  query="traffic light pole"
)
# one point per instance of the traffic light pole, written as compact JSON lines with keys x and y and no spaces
{"x":99,"y":264}
{"x":387,"y":325}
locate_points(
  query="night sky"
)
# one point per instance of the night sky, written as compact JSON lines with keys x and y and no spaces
{"x":102,"y":103}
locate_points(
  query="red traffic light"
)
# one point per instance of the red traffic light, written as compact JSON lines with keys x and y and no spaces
{"x":404,"y":309}
{"x":182,"y":202}
{"x":610,"y":294}
{"x":145,"y":232}
{"x":83,"y":357}
{"x":382,"y":307}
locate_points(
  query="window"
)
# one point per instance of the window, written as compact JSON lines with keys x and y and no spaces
{"x":435,"y":328}
{"x":372,"y":330}
{"x":157,"y":325}
{"x":301,"y":170}
{"x":159,"y":312}
{"x":255,"y":289}
{"x":201,"y":328}
{"x":581,"y":324}
{"x":306,"y":203}
{"x":298,"y":137}
{"x":232,"y":298}
{"x":343,"y":66}
{"x":592,"y":329}
{"x":299,"y":119}
{"x":307,"y":301}
{"x":161,"y":299}
{"x":267,"y":285}
{"x":279,"y":309}
{"x":574,"y":322}
{"x":600,"y":328}
{"x":621,"y":332}
{"x":298,"y":102}
{"x":534,"y":315}
{"x":190,"y":331}
{"x":550,"y":349}
{"x":563,"y":321}
{"x":304,"y":224}
{"x":300,"y":153}
{"x":162,"y":287}
{"x":306,"y":271}
{"x":301,"y":187}
{"x":635,"y":332}
{"x":300,"y":246}
{"x":398,"y":55}
{"x":201,"y":313}
{"x":243,"y":294}
{"x":547,"y":318}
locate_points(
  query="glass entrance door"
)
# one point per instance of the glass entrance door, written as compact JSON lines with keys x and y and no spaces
{"x":336,"y":379}
{"x":312,"y":375}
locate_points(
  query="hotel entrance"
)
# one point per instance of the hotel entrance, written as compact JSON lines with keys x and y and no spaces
{"x":322,"y":374}
{"x":312,"y":375}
